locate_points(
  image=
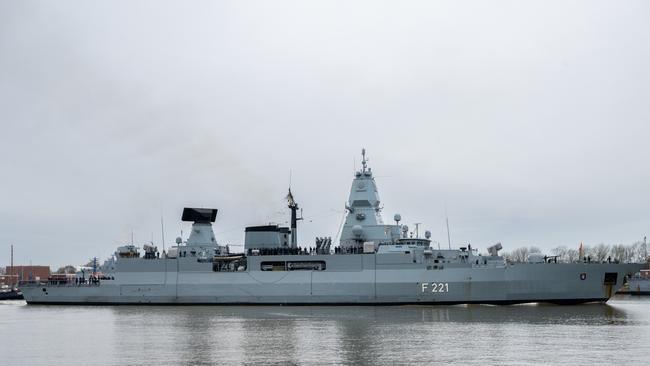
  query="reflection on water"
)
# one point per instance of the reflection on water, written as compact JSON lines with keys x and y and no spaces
{"x":270,"y":315}
{"x":475,"y":334}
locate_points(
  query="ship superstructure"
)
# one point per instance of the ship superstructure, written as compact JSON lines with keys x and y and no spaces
{"x":364,"y":222}
{"x":374,"y":263}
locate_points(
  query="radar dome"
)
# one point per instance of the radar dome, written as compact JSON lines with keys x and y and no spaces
{"x":405,"y":228}
{"x":179,"y":240}
{"x":357,"y":230}
{"x":397,"y":217}
{"x":427,"y":234}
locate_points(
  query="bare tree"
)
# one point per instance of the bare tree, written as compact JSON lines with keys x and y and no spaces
{"x":600,"y":252}
{"x":630,"y":253}
{"x":641,"y":252}
{"x":560,"y":252}
{"x":519,"y":254}
{"x":69,"y":269}
{"x":635,"y":252}
{"x":618,"y":252}
{"x":572,"y":255}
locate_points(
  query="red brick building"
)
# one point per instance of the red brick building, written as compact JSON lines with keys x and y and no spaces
{"x":27,"y":273}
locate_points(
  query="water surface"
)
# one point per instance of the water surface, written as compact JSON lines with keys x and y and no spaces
{"x":618,"y":332}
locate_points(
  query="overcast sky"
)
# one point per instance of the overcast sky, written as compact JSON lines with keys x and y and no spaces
{"x":528,"y":120}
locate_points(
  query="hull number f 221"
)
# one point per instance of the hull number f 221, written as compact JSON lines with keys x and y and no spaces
{"x":435,"y":287}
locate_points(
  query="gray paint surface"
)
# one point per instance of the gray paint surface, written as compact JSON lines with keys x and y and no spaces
{"x":349,"y":279}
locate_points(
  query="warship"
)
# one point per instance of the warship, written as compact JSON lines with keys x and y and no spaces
{"x":374,"y":263}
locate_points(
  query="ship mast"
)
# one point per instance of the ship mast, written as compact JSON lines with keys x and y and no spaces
{"x":11,"y":273}
{"x":293,"y":206}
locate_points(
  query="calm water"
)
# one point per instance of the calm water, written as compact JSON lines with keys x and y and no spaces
{"x":617,"y":333}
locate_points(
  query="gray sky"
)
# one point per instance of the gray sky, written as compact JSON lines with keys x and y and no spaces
{"x":529,"y":121}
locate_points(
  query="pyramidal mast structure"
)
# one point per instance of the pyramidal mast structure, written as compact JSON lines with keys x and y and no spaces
{"x":363,"y":222}
{"x":374,"y":263}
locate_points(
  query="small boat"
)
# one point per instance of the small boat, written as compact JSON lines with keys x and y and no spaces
{"x":639,"y":284}
{"x":10,"y":293}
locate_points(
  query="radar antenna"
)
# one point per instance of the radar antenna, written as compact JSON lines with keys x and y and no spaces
{"x":364,"y":161}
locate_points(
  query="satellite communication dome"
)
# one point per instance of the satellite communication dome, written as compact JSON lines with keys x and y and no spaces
{"x":179,"y":240}
{"x":397,"y":217}
{"x":405,"y":228}
{"x":427,"y":234}
{"x":357,"y":230}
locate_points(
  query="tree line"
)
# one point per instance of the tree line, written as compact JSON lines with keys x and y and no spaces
{"x":621,"y":253}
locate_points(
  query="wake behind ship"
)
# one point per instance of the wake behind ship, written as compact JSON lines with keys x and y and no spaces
{"x":374,"y":263}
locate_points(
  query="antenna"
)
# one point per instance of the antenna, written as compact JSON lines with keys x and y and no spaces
{"x":448,"y":236}
{"x":131,"y":236}
{"x":289,"y":179}
{"x":162,"y":229}
{"x":417,"y":232}
{"x":447,"y":219}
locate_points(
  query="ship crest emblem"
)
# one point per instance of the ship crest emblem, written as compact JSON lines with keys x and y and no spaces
{"x":583,"y":276}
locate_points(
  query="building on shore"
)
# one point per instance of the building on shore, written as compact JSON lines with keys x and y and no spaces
{"x":14,"y":274}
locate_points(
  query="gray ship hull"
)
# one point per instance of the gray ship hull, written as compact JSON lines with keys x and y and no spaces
{"x":372,"y":279}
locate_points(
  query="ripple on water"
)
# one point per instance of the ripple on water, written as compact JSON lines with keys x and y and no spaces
{"x":474,"y":334}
